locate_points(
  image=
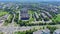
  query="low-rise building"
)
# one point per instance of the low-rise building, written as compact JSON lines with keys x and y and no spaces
{"x":47,"y":13}
{"x":45,"y":31}
{"x":43,"y":15}
{"x":57,"y":31}
{"x":36,"y":16}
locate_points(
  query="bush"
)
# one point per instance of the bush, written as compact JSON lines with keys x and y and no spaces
{"x":52,"y":28}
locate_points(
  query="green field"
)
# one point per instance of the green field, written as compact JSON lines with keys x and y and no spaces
{"x":58,"y":17}
{"x":31,"y":12}
{"x":19,"y":32}
{"x":3,"y":13}
{"x":1,"y":33}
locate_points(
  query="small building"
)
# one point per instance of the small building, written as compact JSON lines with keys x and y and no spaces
{"x":57,"y":31}
{"x":1,"y":21}
{"x":45,"y":31}
{"x":36,"y":16}
{"x":47,"y":13}
{"x":54,"y":11}
{"x":38,"y":32}
{"x":43,"y":15}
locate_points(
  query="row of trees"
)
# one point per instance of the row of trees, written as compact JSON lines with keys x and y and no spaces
{"x":26,"y":23}
{"x":52,"y":29}
{"x":16,"y":17}
{"x":25,"y":32}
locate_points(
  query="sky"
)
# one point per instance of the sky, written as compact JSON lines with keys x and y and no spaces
{"x":29,"y":0}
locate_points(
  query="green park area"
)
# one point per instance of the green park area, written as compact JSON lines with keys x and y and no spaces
{"x":58,"y":17}
{"x":3,"y":13}
{"x":19,"y":32}
{"x":1,"y":33}
{"x":30,"y":12}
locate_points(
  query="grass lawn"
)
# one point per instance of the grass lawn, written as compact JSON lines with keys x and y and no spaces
{"x":31,"y":12}
{"x":3,"y":13}
{"x":58,"y":17}
{"x":19,"y":32}
{"x":1,"y":33}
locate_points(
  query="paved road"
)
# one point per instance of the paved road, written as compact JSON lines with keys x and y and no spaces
{"x":13,"y":18}
{"x":12,"y":23}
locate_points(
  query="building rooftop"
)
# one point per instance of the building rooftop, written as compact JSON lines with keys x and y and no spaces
{"x":24,"y":14}
{"x":43,"y":15}
{"x":45,"y":31}
{"x":57,"y":31}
